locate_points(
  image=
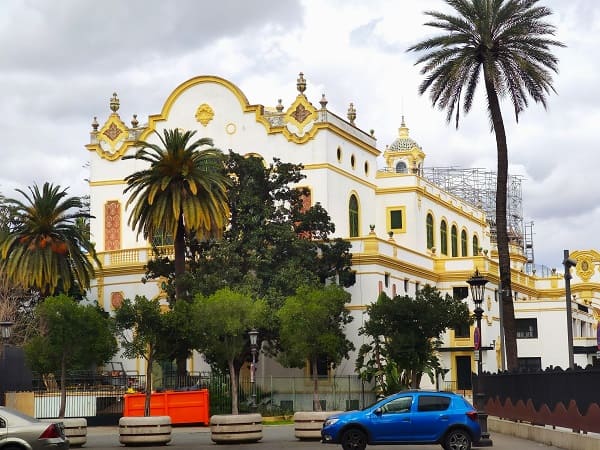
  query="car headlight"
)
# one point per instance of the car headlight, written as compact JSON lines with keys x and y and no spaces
{"x":330,"y":422}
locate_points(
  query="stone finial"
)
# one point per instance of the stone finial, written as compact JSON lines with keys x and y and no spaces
{"x":134,"y":121}
{"x":301,"y":83}
{"x":114,"y":103}
{"x":279,"y":106}
{"x":323,"y":102}
{"x":351,"y":113}
{"x":95,"y":124}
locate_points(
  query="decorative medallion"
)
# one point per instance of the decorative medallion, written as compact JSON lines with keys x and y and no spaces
{"x":230,"y":128}
{"x":300,"y":114}
{"x":584,"y":267}
{"x":204,"y":114}
{"x":112,"y":132}
{"x":112,"y":135}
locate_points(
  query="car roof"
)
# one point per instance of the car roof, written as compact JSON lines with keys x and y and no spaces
{"x":426,"y":391}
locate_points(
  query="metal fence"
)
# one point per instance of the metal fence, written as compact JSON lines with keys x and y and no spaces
{"x":100,"y":397}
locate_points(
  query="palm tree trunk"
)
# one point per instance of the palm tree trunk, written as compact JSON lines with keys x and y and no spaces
{"x":179,"y":250}
{"x":508,"y":309}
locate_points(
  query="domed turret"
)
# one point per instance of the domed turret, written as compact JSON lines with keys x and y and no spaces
{"x":404,"y":155}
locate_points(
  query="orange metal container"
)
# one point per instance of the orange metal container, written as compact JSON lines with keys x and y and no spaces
{"x":181,"y":406}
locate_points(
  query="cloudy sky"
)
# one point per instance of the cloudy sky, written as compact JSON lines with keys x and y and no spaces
{"x":61,"y":60}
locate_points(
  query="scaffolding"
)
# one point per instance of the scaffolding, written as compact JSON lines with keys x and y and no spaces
{"x":478,"y":187}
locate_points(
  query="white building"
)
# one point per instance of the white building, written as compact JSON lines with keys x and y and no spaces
{"x":405,"y":230}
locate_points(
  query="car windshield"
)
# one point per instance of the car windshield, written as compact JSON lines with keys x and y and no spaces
{"x":370,"y":405}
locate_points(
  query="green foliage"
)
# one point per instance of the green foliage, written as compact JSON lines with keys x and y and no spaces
{"x":272,"y":245}
{"x":404,"y":334}
{"x":226,"y":317}
{"x":141,"y":327}
{"x":70,"y":336}
{"x":143,"y":330}
{"x":182,"y":180}
{"x":45,"y":246}
{"x":312,"y":326}
{"x":506,"y":42}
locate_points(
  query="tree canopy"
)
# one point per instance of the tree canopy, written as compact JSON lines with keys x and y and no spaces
{"x":226,"y":317}
{"x":43,"y":247}
{"x":69,"y":336}
{"x":312,"y":326}
{"x":141,"y":327}
{"x":403,"y":335}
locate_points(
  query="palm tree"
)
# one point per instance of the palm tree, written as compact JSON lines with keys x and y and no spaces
{"x":183,"y":192}
{"x":44,"y":249}
{"x":507,"y":43}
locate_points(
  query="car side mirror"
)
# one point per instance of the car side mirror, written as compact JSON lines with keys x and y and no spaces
{"x":378,"y":411}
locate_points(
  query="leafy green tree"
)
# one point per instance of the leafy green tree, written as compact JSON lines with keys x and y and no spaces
{"x":141,"y":327}
{"x":70,"y":336}
{"x":44,"y":248}
{"x":507,"y":44}
{"x":312,"y":328}
{"x":273,"y":245}
{"x":226,"y":317}
{"x":404,"y":335}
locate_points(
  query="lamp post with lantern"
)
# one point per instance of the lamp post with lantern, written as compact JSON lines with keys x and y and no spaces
{"x":477,"y":283}
{"x":253,"y":334}
{"x":5,"y":331}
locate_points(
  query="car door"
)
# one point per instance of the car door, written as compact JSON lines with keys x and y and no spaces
{"x":431,"y":416}
{"x":3,"y":428}
{"x":391,"y":422}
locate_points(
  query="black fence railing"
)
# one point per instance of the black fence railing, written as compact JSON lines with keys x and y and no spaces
{"x":100,"y":397}
{"x":556,"y":397}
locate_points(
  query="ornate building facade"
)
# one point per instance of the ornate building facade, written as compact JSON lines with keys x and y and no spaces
{"x":406,"y":230}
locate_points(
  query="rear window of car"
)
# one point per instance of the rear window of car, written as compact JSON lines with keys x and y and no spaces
{"x":433,"y":403}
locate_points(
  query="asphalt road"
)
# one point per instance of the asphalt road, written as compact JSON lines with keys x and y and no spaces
{"x":276,"y":437}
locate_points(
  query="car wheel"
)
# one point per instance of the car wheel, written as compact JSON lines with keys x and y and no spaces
{"x":354,"y":439}
{"x":457,"y":440}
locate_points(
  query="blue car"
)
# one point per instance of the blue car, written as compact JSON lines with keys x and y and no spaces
{"x":409,"y":417}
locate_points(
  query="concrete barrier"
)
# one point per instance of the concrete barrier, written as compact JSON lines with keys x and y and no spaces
{"x":152,"y":430}
{"x":75,"y":429}
{"x":546,"y":435}
{"x":308,"y":424}
{"x":228,"y":428}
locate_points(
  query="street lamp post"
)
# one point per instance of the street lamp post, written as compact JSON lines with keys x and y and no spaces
{"x":568,"y":263}
{"x":5,"y":331}
{"x":253,"y":333}
{"x":477,"y":283}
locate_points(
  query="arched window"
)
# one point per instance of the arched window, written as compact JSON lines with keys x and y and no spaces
{"x":475,"y":245}
{"x":463,"y":243}
{"x":401,"y":167}
{"x":429,"y":226}
{"x":454,"y":241}
{"x":443,"y":238}
{"x":353,"y":215}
